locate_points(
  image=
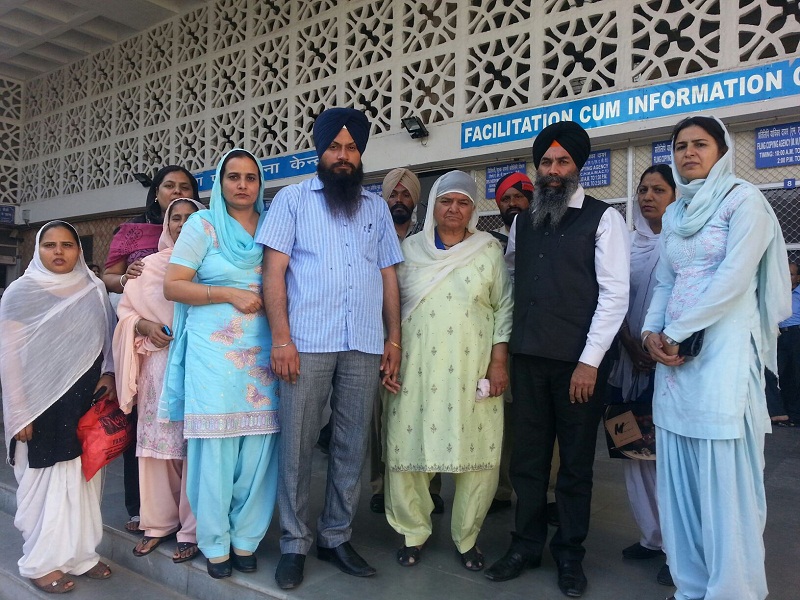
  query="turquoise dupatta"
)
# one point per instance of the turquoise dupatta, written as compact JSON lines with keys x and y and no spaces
{"x":242,"y":251}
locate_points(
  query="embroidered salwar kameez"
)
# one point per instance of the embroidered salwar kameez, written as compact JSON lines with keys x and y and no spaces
{"x":710,"y":412}
{"x":434,"y":424}
{"x":219,"y":382}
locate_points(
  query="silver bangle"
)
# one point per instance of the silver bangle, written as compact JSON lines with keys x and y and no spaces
{"x":644,"y":339}
{"x":122,"y":283}
{"x":282,"y":345}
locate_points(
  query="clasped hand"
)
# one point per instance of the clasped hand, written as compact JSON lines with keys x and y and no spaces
{"x":660,"y":351}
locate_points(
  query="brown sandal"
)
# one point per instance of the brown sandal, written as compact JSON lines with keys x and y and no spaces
{"x":147,"y":544}
{"x":61,"y":585}
{"x":100,"y":571}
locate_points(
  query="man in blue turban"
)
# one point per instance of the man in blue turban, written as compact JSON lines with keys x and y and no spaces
{"x":329,"y":278}
{"x":331,"y":122}
{"x":340,"y":136}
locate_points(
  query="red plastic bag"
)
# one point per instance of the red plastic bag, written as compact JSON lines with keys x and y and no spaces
{"x":105,"y":432}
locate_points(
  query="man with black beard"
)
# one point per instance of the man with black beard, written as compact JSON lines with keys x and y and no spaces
{"x":401,"y":190}
{"x":570,"y":257}
{"x":341,"y":183}
{"x":329,"y":277}
{"x":513,"y":194}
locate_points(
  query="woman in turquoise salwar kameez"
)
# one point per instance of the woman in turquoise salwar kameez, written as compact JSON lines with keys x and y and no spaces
{"x":218,"y":378}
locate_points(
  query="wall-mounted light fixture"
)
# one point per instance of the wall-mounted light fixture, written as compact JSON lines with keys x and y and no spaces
{"x":26,"y":216}
{"x":144,"y":179}
{"x":415,"y":127}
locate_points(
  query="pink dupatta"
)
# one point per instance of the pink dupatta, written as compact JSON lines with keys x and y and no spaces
{"x":143,"y":299}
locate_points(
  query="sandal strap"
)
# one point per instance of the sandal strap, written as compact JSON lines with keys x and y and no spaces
{"x":406,"y":553}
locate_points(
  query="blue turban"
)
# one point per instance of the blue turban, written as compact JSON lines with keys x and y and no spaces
{"x":330,"y":123}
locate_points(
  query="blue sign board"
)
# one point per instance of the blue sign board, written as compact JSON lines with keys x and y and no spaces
{"x":697,"y":95}
{"x":496,"y":173}
{"x":375,"y":188}
{"x":596,"y":172}
{"x":279,"y":167}
{"x":790,"y":184}
{"x":7,"y":215}
{"x":662,"y":153}
{"x":778,"y":146}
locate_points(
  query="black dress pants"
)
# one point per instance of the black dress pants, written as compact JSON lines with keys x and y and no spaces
{"x":789,"y":371}
{"x":543,"y":413}
{"x":130,"y":475}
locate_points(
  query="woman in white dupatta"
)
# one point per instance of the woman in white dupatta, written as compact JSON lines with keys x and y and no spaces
{"x":631,"y":376}
{"x":456,"y":304}
{"x":57,"y":325}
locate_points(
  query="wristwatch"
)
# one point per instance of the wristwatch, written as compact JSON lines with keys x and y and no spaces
{"x":670,"y":341}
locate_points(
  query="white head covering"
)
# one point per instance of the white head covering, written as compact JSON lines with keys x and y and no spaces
{"x":699,"y":201}
{"x":425,"y":266}
{"x":53,"y":329}
{"x":644,"y":258}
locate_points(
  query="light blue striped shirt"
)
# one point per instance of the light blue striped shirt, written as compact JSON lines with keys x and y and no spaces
{"x":795,"y":318}
{"x":334,"y":287}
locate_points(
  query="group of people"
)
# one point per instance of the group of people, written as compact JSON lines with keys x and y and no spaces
{"x":238,"y":326}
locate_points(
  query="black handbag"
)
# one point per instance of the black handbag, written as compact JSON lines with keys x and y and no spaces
{"x":692,"y":345}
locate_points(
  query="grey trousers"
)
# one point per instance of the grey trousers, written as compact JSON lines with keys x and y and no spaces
{"x":354,"y":379}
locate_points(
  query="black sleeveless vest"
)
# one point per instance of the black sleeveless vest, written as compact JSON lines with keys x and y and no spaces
{"x":555,"y":284}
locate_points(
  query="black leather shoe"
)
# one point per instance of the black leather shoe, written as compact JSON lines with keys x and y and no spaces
{"x":664,"y":577}
{"x":289,"y":573}
{"x":511,"y":566}
{"x":639,"y":552}
{"x":347,"y":559}
{"x":245,"y":564}
{"x":571,"y":580}
{"x":438,"y":504}
{"x":219,"y":570}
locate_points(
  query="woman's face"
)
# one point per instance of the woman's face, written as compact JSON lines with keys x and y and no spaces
{"x":240,"y":183}
{"x":654,"y":195}
{"x":177,"y":217}
{"x":175,"y":185}
{"x":453,"y":211}
{"x":696,"y":152}
{"x":58,"y":250}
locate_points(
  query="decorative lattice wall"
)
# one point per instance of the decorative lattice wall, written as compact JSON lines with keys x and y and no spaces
{"x":10,"y":136}
{"x":256,"y":73}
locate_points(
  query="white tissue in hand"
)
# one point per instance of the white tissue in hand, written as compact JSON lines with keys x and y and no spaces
{"x":483,"y":390}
